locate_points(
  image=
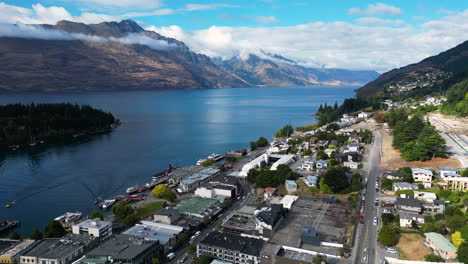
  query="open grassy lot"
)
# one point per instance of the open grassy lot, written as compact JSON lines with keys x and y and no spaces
{"x":411,"y":247}
{"x":149,"y":208}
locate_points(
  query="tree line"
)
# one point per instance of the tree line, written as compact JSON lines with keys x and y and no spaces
{"x":22,"y":124}
{"x":327,"y":113}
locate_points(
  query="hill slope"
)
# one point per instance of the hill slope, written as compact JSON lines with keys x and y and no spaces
{"x":426,"y":74}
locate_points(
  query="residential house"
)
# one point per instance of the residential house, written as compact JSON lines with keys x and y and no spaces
{"x":269,"y":218}
{"x":365,"y":115}
{"x":269,"y":192}
{"x":425,"y":197}
{"x":409,"y":204}
{"x":329,"y":152}
{"x":291,"y":186}
{"x":322,"y":164}
{"x":351,"y":164}
{"x":421,"y":175}
{"x":437,"y":206}
{"x":93,"y":227}
{"x":311,"y":180}
{"x":407,"y":218}
{"x":353,"y":147}
{"x":395,"y":176}
{"x":451,"y":172}
{"x":396,"y":186}
{"x":231,"y":248}
{"x":457,"y":183}
{"x":441,"y":245}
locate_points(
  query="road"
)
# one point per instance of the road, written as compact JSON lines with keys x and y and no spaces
{"x":247,"y":196}
{"x":366,"y":249}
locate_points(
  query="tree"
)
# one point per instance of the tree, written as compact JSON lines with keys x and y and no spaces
{"x":336,"y":179}
{"x":96,"y":214}
{"x":464,"y":232}
{"x":162,"y":191}
{"x":155,"y":261}
{"x":54,"y":229}
{"x":388,"y":236}
{"x":408,"y":174}
{"x":433,"y":258}
{"x":122,"y":210}
{"x":208,"y":162}
{"x":321,"y":155}
{"x":36,"y":235}
{"x":457,"y":239}
{"x":261,"y":142}
{"x":324,"y":187}
{"x":356,"y":182}
{"x":455,"y":222}
{"x":204,"y":259}
{"x":286,"y":131}
{"x":15,"y":236}
{"x":319,"y":259}
{"x":462,"y":253}
{"x":183,"y":237}
{"x":192,"y":249}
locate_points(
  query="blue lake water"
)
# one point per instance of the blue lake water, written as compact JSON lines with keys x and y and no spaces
{"x":159,"y":128}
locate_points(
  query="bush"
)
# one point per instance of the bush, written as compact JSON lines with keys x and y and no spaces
{"x":261,"y":142}
{"x":433,"y":258}
{"x":208,"y":162}
{"x":388,"y":236}
{"x":54,"y":230}
{"x":407,"y":192}
{"x":162,"y":191}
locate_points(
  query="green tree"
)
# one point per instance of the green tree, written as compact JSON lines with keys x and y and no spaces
{"x":36,"y":235}
{"x":286,"y":131}
{"x":433,"y":258}
{"x":122,"y":210}
{"x":319,"y":259}
{"x":462,"y":253}
{"x":96,"y":214}
{"x":208,"y":162}
{"x":356,"y":182}
{"x":324,"y":187}
{"x":183,"y":237}
{"x":54,"y":230}
{"x":162,"y":191}
{"x":388,"y":236}
{"x":192,"y":249}
{"x":155,"y":261}
{"x":204,"y":259}
{"x":457,"y":239}
{"x":321,"y":155}
{"x":15,"y":236}
{"x":455,"y":222}
{"x":464,"y":232}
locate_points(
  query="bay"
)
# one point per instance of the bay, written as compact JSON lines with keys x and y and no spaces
{"x":159,"y":127}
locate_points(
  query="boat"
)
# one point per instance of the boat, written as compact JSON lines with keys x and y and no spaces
{"x":142,"y":189}
{"x":7,"y":224}
{"x":8,"y":205}
{"x":200,"y":162}
{"x":107,"y":203}
{"x":132,"y":189}
{"x":68,"y":218}
{"x":216,"y":157}
{"x":98,"y":200}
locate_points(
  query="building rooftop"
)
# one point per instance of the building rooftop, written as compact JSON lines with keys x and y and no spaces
{"x":94,"y":223}
{"x":226,"y":180}
{"x":195,"y":205}
{"x":16,"y":248}
{"x":247,"y":210}
{"x":322,"y":161}
{"x":419,"y":170}
{"x":408,"y":202}
{"x":291,"y":183}
{"x":271,"y":215}
{"x":440,"y":241}
{"x":7,"y":244}
{"x":409,"y":215}
{"x":122,"y":247}
{"x":396,"y":174}
{"x":448,"y":169}
{"x":245,"y":245}
{"x":405,"y":185}
{"x":150,"y":230}
{"x":53,"y":248}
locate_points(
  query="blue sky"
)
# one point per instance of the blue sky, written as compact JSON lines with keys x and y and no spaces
{"x":378,"y":35}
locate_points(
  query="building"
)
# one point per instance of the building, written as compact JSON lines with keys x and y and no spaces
{"x":288,"y":201}
{"x":282,"y":160}
{"x":13,"y":249}
{"x":269,"y":217}
{"x":457,"y":183}
{"x":437,"y":206}
{"x":322,"y":164}
{"x":396,"y":186}
{"x":329,"y":152}
{"x":407,"y":218}
{"x":408,"y":204}
{"x":258,"y":162}
{"x":441,"y":245}
{"x":165,"y":235}
{"x":351,"y":164}
{"x":421,"y":175}
{"x":93,"y":227}
{"x":444,"y":171}
{"x":124,"y":249}
{"x":167,"y":216}
{"x":307,"y":166}
{"x":227,"y":181}
{"x":425,"y":197}
{"x":269,"y":192}
{"x":395,"y":176}
{"x":311,"y":180}
{"x":199,"y":207}
{"x":291,"y":186}
{"x":59,"y":251}
{"x":232,"y":248}
{"x":310,"y":236}
{"x":365,"y":115}
{"x":190,"y":183}
{"x":213,"y":191}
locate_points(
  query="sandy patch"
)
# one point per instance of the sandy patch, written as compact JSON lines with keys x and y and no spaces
{"x":449,"y":124}
{"x":411,"y":247}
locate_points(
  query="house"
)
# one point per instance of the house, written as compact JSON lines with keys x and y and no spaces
{"x":11,"y":250}
{"x":425,"y":197}
{"x":310,"y":236}
{"x":329,"y":151}
{"x":311,"y":180}
{"x":396,"y":186}
{"x":348,"y":156}
{"x":457,"y":183}
{"x":421,"y":175}
{"x":124,"y":249}
{"x":230,"y":248}
{"x":54,"y":251}
{"x":307,"y":166}
{"x":408,"y":204}
{"x":395,"y":176}
{"x":167,"y":216}
{"x":437,"y":206}
{"x":322,"y":143}
{"x":407,"y":218}
{"x":353,"y":147}
{"x":269,"y":192}
{"x":365,"y":115}
{"x":351,"y":164}
{"x":165,"y":235}
{"x":355,"y":139}
{"x":291,"y":186}
{"x":93,"y":227}
{"x":322,"y":164}
{"x":269,"y":218}
{"x":441,"y":245}
{"x":451,"y":172}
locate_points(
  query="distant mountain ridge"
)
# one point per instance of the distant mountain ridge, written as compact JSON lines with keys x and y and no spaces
{"x":426,"y":74}
{"x":55,"y":65}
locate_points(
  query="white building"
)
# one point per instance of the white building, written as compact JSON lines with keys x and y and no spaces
{"x":193,"y":181}
{"x":427,"y":197}
{"x":93,"y":227}
{"x":212,"y":191}
{"x":351,"y":164}
{"x":421,"y":175}
{"x":322,"y":164}
{"x":165,"y":234}
{"x":283,"y":160}
{"x":396,"y":186}
{"x":448,"y":172}
{"x":364,"y":115}
{"x":311,"y":180}
{"x":291,"y":186}
{"x":329,"y":152}
{"x":407,"y":218}
{"x":258,"y":162}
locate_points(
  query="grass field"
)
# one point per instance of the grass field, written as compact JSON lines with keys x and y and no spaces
{"x":149,"y":208}
{"x":411,"y":247}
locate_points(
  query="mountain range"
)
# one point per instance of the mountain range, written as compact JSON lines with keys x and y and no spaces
{"x":124,"y":56}
{"x":435,"y":73}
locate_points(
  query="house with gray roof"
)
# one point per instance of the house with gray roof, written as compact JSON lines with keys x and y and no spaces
{"x":409,"y":204}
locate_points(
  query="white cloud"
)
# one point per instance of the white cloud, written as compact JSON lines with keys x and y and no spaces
{"x":196,"y":7}
{"x":333,"y":45}
{"x":267,"y":20}
{"x":128,"y":4}
{"x":375,"y":21}
{"x":376,"y":10}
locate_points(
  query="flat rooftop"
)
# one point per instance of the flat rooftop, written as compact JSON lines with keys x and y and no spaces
{"x":94,"y":223}
{"x":16,"y":248}
{"x":154,"y":231}
{"x":122,"y":247}
{"x":195,"y":205}
{"x":53,"y":248}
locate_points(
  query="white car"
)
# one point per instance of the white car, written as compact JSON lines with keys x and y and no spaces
{"x":392,"y":250}
{"x":375,"y":220}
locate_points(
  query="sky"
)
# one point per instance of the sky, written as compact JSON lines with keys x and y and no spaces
{"x":347,"y":34}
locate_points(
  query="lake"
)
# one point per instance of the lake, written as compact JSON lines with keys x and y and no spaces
{"x":159,"y":127}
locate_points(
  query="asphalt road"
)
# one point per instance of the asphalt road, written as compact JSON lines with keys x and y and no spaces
{"x":366,"y":248}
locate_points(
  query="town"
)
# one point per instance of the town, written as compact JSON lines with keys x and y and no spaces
{"x":323,"y":196}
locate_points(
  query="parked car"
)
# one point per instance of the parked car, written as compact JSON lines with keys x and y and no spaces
{"x":375,"y":220}
{"x":392,"y":250}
